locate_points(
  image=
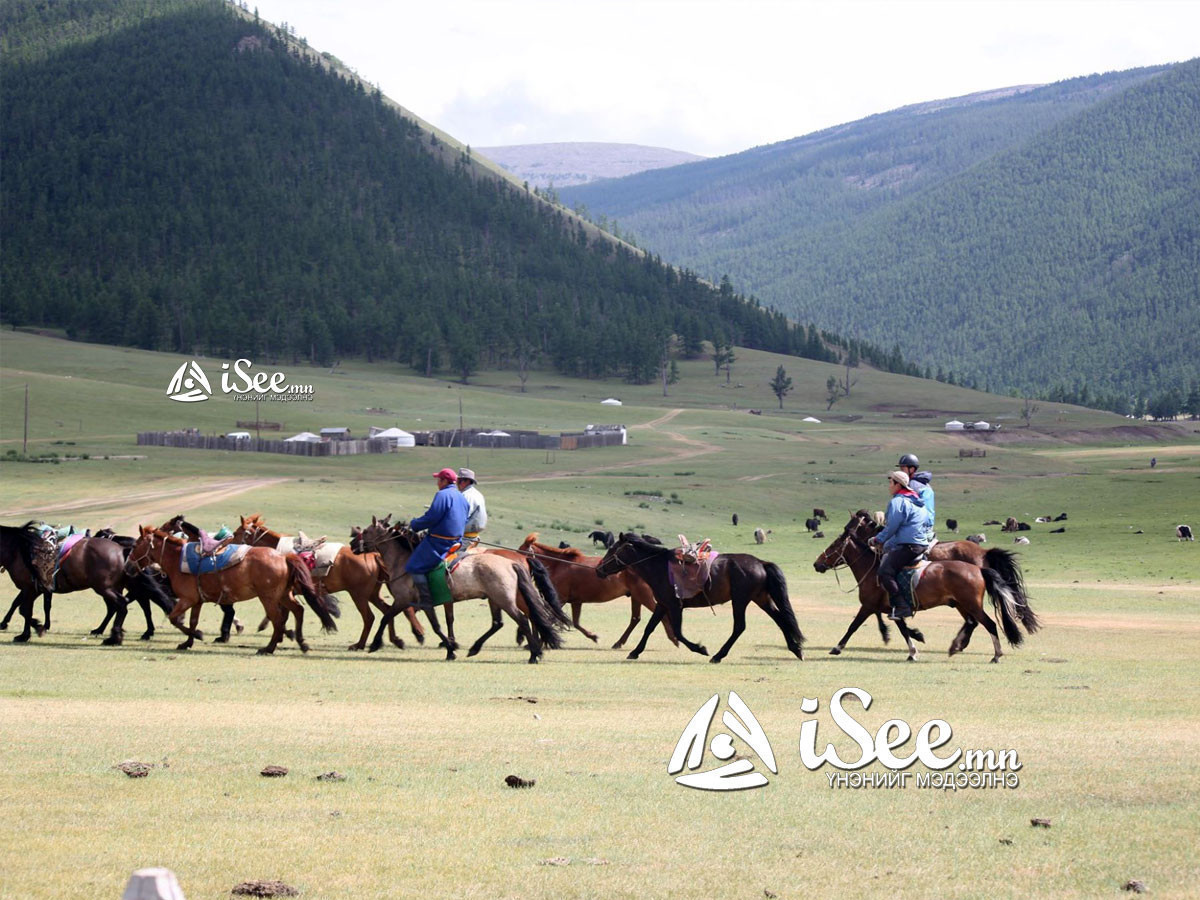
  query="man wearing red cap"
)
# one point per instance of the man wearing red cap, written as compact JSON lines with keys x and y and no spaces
{"x":443,"y":522}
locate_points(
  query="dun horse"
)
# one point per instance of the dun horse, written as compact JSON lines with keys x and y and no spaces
{"x":479,"y":575}
{"x":735,"y":577}
{"x":264,"y":573}
{"x":949,"y":582}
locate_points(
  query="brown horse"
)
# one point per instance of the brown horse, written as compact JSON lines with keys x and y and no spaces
{"x":735,"y":577}
{"x":946,"y":583}
{"x":263,"y":573}
{"x":361,"y":576}
{"x":96,"y":564}
{"x":479,"y":575}
{"x":998,"y":559}
{"x":574,"y":577}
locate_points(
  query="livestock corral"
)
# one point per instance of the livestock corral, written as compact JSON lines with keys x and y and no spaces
{"x":409,"y":774}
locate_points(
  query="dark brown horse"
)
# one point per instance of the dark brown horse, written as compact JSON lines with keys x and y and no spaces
{"x":359,"y":575}
{"x":96,"y":564}
{"x":1002,"y":561}
{"x":950,"y":582}
{"x":264,"y":573}
{"x":735,"y":577}
{"x":574,"y":577}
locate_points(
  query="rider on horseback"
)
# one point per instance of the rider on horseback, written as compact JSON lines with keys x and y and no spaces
{"x":918,"y":482}
{"x":904,"y":539}
{"x":443,"y":522}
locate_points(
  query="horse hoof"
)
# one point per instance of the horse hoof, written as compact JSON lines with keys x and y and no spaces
{"x":221,"y":639}
{"x":702,"y":650}
{"x":355,"y":647}
{"x":953,"y":650}
{"x":186,"y":645}
{"x":534,"y":660}
{"x":146,"y":635}
{"x":3,"y":626}
{"x":420,"y":638}
{"x":715,"y":659}
{"x":266,"y":651}
{"x":474,"y":651}
{"x":112,"y":641}
{"x":633,"y":654}
{"x":21,"y":639}
{"x":995,"y":659}
{"x":290,"y":635}
{"x":618,"y":645}
{"x":836,"y":651}
{"x":594,"y":638}
{"x":916,"y":635}
{"x":304,"y":647}
{"x":912,"y":659}
{"x":398,"y":643}
{"x":240,"y":627}
{"x":450,"y":655}
{"x":96,"y":632}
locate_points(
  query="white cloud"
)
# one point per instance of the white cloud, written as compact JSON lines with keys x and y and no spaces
{"x":717,"y":76}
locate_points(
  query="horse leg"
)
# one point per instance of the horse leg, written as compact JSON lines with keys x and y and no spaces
{"x":635,"y":616}
{"x":414,"y":625}
{"x":16,"y":605}
{"x":448,"y":642}
{"x":993,"y":631}
{"x":109,"y":612}
{"x":906,"y":633}
{"x":497,"y":624}
{"x":576,"y":607}
{"x":368,"y":619}
{"x":959,"y":644}
{"x":739,"y":625}
{"x":655,"y":618}
{"x":176,"y":618}
{"x":46,"y":597}
{"x":262,"y":626}
{"x":25,"y":600}
{"x":227,"y":618}
{"x":772,"y":610}
{"x":449,"y":627}
{"x":288,"y":602}
{"x":121,"y":605}
{"x":859,"y":617}
{"x":278,"y":618}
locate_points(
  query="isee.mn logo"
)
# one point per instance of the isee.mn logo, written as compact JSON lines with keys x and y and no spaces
{"x":189,"y":383}
{"x":738,"y":775}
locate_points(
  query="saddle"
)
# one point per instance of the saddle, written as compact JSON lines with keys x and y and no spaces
{"x":193,"y":561}
{"x":691,"y":568}
{"x":908,"y":579}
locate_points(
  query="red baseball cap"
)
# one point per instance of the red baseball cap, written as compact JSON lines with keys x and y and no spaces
{"x":448,"y":474}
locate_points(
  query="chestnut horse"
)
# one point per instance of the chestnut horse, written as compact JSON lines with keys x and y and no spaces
{"x":1002,"y":561}
{"x":263,"y":573}
{"x":948,"y":582}
{"x":479,"y":575}
{"x":573,"y":574}
{"x":735,"y":577}
{"x":361,"y":576}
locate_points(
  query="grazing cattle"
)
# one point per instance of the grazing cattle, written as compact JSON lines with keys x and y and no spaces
{"x":604,"y":538}
{"x":977,"y":538}
{"x":1184,"y":533}
{"x":879,"y":518}
{"x":1042,"y":520}
{"x":991,"y":522}
{"x":760,"y":536}
{"x":1020,"y":540}
{"x":563,"y":545}
{"x":735,"y":520}
{"x":819,"y":534}
{"x":1057,"y":530}
{"x":756,"y":412}
{"x":820,"y":514}
{"x":1024,"y":526}
{"x":812,"y":524}
{"x":952,"y":524}
{"x":1061,"y":517}
{"x":1010,"y":524}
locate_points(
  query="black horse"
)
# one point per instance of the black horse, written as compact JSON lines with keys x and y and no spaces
{"x":604,"y":538}
{"x":94,"y":563}
{"x":737,"y":577}
{"x":145,"y":587}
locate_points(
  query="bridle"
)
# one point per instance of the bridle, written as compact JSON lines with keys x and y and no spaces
{"x":147,"y":556}
{"x":614,"y":556}
{"x":849,"y":537}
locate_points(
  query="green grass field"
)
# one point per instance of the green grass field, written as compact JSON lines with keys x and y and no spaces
{"x":1097,"y":705}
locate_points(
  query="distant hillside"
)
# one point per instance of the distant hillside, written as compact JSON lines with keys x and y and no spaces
{"x":181,"y":176}
{"x":1045,"y":238}
{"x":565,"y":164}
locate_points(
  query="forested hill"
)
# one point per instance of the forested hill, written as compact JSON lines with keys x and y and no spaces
{"x":1046,"y":238}
{"x":180,"y":176}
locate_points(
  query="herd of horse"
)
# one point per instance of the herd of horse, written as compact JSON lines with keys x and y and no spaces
{"x":533,"y":584}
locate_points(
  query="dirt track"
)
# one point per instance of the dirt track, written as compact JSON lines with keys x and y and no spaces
{"x":149,"y":506}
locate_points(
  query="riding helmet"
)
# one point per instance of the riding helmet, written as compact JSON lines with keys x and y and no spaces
{"x":908,"y":460}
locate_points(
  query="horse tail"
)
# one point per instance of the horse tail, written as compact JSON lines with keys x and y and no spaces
{"x":542,"y":616}
{"x":1005,"y":604}
{"x":29,"y":538}
{"x":1005,"y":562}
{"x":541,"y":578}
{"x":777,"y":588}
{"x":324,"y":605}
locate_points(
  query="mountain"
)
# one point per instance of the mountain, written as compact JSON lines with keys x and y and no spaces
{"x":179,"y":175}
{"x":1045,"y":239}
{"x":562,"y":164}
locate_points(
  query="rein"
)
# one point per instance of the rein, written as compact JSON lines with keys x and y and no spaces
{"x":858,"y":542}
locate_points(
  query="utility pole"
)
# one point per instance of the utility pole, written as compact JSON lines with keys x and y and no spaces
{"x":461,"y":431}
{"x":25,"y":439}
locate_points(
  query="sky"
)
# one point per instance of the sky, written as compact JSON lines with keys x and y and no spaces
{"x":714,"y":77}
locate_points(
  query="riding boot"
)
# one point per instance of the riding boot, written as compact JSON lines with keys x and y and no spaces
{"x":901,"y":608}
{"x":425,"y":596}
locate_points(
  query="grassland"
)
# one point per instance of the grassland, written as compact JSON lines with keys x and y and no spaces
{"x":1098,"y":704}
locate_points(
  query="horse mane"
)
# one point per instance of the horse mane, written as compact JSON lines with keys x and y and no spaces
{"x":531,"y":542}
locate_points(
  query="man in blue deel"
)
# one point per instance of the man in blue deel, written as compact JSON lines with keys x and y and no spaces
{"x":443,"y":523}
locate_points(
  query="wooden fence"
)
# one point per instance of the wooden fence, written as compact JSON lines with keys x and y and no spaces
{"x":517,"y":440}
{"x":964,"y":453}
{"x":192,"y":441}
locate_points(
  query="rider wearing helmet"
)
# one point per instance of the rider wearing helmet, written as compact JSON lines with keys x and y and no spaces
{"x":903,"y":538}
{"x":918,"y":483}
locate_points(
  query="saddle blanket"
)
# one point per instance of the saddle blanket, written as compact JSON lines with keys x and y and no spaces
{"x":691,"y":578}
{"x":192,"y":563}
{"x":68,"y":545}
{"x":321,"y":560}
{"x":909,"y":579}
